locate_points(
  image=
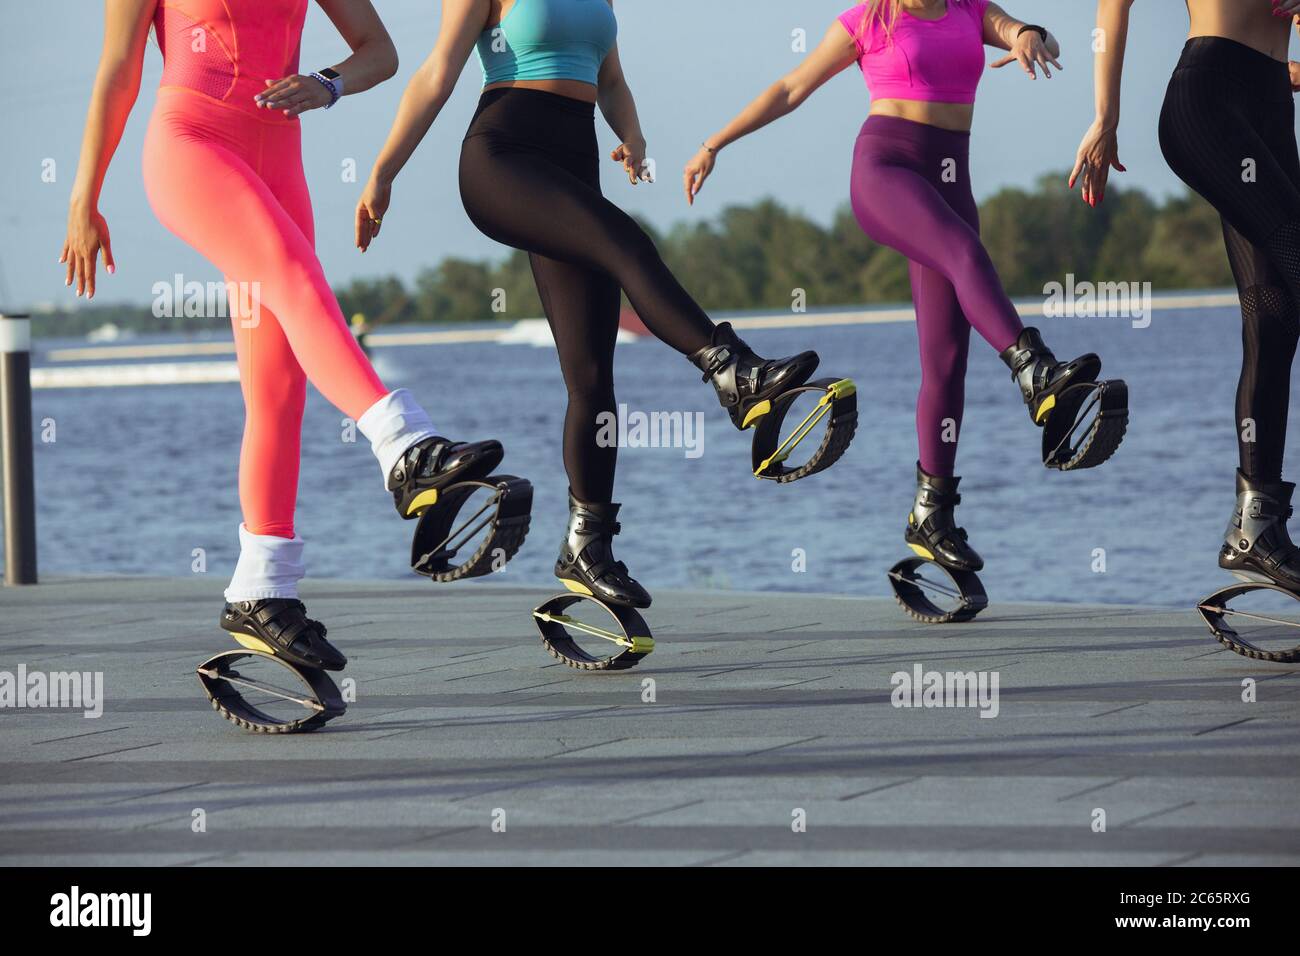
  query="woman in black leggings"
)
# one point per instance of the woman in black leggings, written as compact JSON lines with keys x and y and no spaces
{"x":530,"y":179}
{"x":1228,"y":130}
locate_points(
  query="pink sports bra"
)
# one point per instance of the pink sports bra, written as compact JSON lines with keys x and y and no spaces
{"x":934,"y":61}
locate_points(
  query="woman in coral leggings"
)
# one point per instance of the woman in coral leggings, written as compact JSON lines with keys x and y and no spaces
{"x":223,"y":171}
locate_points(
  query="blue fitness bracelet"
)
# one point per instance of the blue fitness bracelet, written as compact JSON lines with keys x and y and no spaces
{"x":331,"y":80}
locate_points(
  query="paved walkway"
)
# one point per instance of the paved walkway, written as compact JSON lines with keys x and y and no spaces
{"x":768,"y":708}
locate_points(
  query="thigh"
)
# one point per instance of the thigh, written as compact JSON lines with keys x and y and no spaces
{"x":525,"y":200}
{"x":900,"y":208}
{"x":214,"y":201}
{"x":582,"y":306}
{"x":1212,"y":144}
{"x":281,"y":169}
{"x":1252,"y":266}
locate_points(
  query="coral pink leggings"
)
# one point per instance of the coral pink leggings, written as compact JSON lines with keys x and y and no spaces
{"x":229,"y":182}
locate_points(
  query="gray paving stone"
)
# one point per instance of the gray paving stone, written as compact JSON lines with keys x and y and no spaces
{"x":764,"y":703}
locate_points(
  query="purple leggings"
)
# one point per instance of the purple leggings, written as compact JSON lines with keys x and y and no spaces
{"x":911,"y":191}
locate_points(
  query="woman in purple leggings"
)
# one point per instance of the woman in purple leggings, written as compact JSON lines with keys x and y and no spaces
{"x":911,"y":190}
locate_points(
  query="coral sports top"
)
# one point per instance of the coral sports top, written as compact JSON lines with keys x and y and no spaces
{"x":934,"y":61}
{"x":549,"y":40}
{"x":228,"y":49}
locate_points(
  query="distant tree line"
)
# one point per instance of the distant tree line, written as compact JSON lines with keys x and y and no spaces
{"x":754,"y":257}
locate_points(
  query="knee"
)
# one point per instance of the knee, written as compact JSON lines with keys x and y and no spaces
{"x":626,"y":241}
{"x":1270,"y":313}
{"x":942,"y":365}
{"x":967,"y":255}
{"x":590,"y":384}
{"x":280,"y":393}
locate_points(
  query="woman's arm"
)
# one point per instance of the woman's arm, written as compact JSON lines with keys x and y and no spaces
{"x":619,"y":109}
{"x":373,"y":60}
{"x":836,"y":53}
{"x":117,"y":84}
{"x":1027,"y":47}
{"x":1099,"y":150}
{"x":463,"y":21}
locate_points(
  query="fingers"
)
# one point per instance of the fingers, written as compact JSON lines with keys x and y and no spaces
{"x":360,"y":227}
{"x":1079,"y":165}
{"x":275,"y":88}
{"x":292,"y":103}
{"x":70,"y":258}
{"x":86,"y":274}
{"x":290,"y":95}
{"x":1095,"y":184}
{"x":367,"y":226}
{"x":1009,"y":58}
{"x":1027,"y":62}
{"x":109,"y":265}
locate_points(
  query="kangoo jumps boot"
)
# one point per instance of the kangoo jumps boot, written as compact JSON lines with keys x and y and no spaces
{"x":586,"y":564}
{"x":745,"y":382}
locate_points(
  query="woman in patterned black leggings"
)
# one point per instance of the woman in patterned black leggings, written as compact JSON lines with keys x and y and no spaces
{"x":1228,"y":130}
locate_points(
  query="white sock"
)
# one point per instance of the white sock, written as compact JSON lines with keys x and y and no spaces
{"x":393,"y":424}
{"x":268,"y":567}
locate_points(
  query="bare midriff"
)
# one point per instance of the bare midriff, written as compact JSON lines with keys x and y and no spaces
{"x":1248,"y":22}
{"x":951,"y":116}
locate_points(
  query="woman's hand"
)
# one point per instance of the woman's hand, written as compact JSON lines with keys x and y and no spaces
{"x":1030,"y":50}
{"x":87,"y":234}
{"x":697,"y":171}
{"x":293,"y":95}
{"x":370,"y":211}
{"x":1098,"y":153}
{"x":632,"y":155}
{"x":1295,"y":76}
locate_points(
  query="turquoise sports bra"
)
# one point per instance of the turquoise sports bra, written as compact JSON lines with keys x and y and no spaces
{"x":549,"y":40}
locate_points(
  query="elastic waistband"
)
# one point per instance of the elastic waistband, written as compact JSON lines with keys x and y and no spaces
{"x":1242,"y":63}
{"x":539,"y":99}
{"x":536,"y":118}
{"x":200,"y":104}
{"x":910,"y":132}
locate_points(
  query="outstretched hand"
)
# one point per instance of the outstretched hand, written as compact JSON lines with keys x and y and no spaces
{"x":370,"y":212}
{"x":87,"y":235}
{"x":632,"y":157}
{"x":1098,"y":154}
{"x":1031,"y":51}
{"x":697,"y":171}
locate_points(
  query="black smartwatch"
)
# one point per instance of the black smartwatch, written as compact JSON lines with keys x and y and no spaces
{"x":1041,"y":31}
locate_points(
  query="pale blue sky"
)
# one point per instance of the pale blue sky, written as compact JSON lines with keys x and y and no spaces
{"x":691,"y":63}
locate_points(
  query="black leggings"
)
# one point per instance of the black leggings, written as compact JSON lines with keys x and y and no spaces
{"x":530,"y":178}
{"x":1227,"y":129}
